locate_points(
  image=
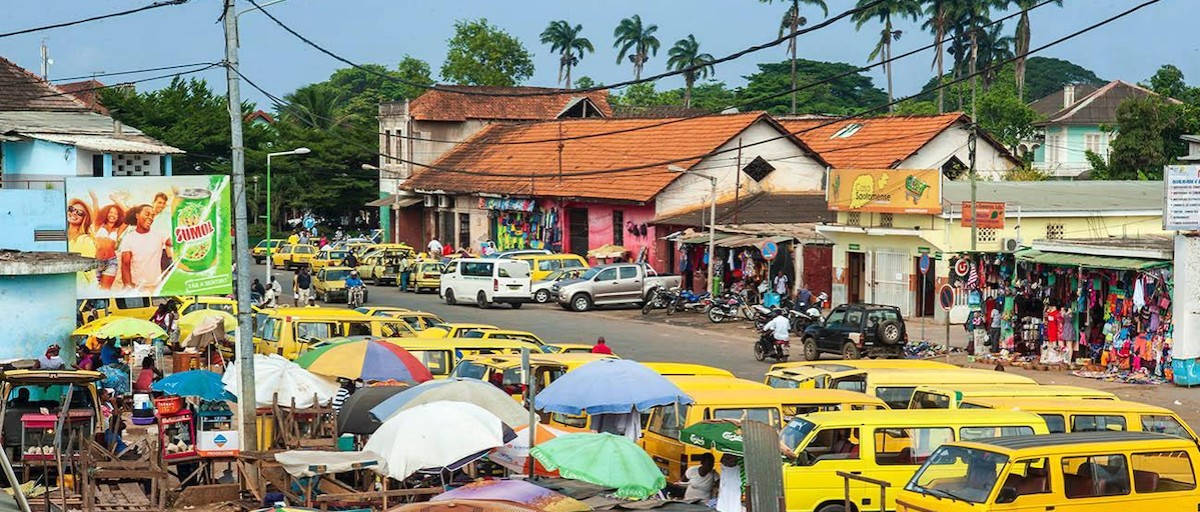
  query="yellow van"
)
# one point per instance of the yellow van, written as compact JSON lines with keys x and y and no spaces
{"x":289,"y":331}
{"x":504,"y":371}
{"x":1092,"y":415}
{"x":950,"y":396}
{"x":884,"y":445}
{"x":541,"y":265}
{"x":690,"y":383}
{"x":1094,"y":471}
{"x":327,"y":258}
{"x":426,"y":275}
{"x":442,"y":355}
{"x":259,"y":251}
{"x":292,"y":255}
{"x":454,"y":330}
{"x":771,"y":406}
{"x":896,"y":387}
{"x":804,"y":377}
{"x":549,"y":348}
{"x":668,"y":369}
{"x":839,"y":365}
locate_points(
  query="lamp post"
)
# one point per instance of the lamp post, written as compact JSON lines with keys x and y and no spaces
{"x":297,"y":151}
{"x":712,"y":220}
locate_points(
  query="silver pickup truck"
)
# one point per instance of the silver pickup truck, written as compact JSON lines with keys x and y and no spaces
{"x":619,"y":283}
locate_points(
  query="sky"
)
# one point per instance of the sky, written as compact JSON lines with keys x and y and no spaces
{"x":383,"y":31}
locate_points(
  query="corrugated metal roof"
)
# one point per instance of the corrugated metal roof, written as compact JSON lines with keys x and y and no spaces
{"x":60,"y":122}
{"x":1089,"y":261}
{"x":107,"y":144}
{"x":1054,"y":196}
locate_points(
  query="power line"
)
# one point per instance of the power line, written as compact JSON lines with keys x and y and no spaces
{"x":99,"y":75}
{"x":154,"y":5}
{"x":123,"y":84}
{"x":690,"y":69}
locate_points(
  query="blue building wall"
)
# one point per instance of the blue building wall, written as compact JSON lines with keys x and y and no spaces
{"x":30,"y":326}
{"x":23,"y":211}
{"x":39,"y":157}
{"x":1073,"y":149}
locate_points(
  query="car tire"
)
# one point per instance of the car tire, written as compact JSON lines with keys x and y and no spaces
{"x":481,"y":300}
{"x":810,"y":350}
{"x":890,"y":332}
{"x":850,"y":351}
{"x":259,"y":261}
{"x":515,"y":305}
{"x":833,"y":507}
{"x":541,"y":296}
{"x":580,"y":302}
{"x":449,"y":295}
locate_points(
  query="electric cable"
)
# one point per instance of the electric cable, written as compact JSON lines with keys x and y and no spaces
{"x":154,"y":5}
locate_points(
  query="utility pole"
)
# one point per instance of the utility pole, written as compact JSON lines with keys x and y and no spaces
{"x":248,"y":432}
{"x":971,"y":143}
{"x":46,"y":61}
{"x":794,"y":23}
{"x":737,"y":184}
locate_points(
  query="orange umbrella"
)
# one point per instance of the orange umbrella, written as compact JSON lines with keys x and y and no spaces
{"x":514,"y":455}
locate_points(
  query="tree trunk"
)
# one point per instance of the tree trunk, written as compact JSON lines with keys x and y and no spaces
{"x":795,"y":19}
{"x":1022,"y":48}
{"x":637,"y":66}
{"x":887,"y":67}
{"x":941,"y":34}
{"x":568,"y":70}
{"x":688,"y":79}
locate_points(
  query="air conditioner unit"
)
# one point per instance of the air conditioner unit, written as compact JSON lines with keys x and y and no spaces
{"x":443,"y":201}
{"x":428,"y":202}
{"x":1010,"y":244}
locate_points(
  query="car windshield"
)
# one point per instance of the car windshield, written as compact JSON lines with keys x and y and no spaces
{"x":337,"y":275}
{"x":336,"y":255}
{"x":553,"y":276}
{"x":795,"y":431}
{"x":591,"y":272}
{"x":958,"y":473}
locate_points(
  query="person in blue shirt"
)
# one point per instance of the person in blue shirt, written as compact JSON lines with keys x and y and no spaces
{"x":109,"y":353}
{"x":353,"y":280}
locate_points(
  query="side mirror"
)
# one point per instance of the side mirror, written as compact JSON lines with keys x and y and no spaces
{"x":1006,"y":495}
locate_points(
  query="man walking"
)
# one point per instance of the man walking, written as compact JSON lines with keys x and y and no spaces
{"x":435,"y":248}
{"x":301,"y":287}
{"x":405,"y":272}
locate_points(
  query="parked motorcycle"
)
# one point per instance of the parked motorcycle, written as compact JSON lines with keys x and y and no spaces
{"x":732,"y":306}
{"x":688,"y":300}
{"x":354,"y":296}
{"x":768,"y":346}
{"x":660,"y":298}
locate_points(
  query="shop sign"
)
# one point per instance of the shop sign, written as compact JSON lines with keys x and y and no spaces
{"x":922,"y":250}
{"x":1182,"y":197}
{"x":937,"y":255}
{"x":924,"y":264}
{"x":504,"y":203}
{"x":769,"y":250}
{"x":886,"y":190}
{"x":854,"y":247}
{"x":991,"y":214}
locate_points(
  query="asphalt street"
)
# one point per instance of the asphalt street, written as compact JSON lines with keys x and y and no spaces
{"x":629,"y":336}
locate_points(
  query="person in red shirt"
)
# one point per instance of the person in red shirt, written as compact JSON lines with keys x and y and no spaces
{"x":601,"y":347}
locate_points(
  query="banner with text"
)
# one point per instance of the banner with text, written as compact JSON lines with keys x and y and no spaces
{"x":155,"y":236}
{"x":991,"y":215}
{"x":886,"y":190}
{"x":1182,"y":184}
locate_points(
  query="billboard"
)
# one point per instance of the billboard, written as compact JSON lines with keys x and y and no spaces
{"x":156,"y":236}
{"x":1182,"y":194}
{"x":991,"y":214}
{"x":886,"y":190}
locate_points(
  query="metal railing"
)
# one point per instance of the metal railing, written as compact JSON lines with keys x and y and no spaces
{"x":883,"y":487}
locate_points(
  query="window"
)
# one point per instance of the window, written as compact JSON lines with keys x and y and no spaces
{"x":618,"y":227}
{"x":1096,"y":143}
{"x":847,"y":131}
{"x":477,"y":269}
{"x":387,"y":143}
{"x":886,"y":220}
{"x":927,"y":400}
{"x":608,"y":274}
{"x":666,"y":420}
{"x":836,"y":318}
{"x":435,"y":360}
{"x":548,"y":265}
{"x":133,"y":302}
{"x":768,"y":415}
{"x":190,"y":308}
{"x":1162,"y":472}
{"x":1095,"y":475}
{"x":629,"y":272}
{"x":307,"y":331}
{"x":1029,"y":476}
{"x":1164,"y":425}
{"x":973,"y":433}
{"x":358,"y":329}
{"x":572,"y":263}
{"x":853,"y":219}
{"x":758,"y":168}
{"x":895,"y":397}
{"x":832,"y":444}
{"x":1054,"y":149}
{"x":856,"y":384}
{"x":1054,"y":231}
{"x":470,"y":370}
{"x":908,"y":446}
{"x":464,"y":230}
{"x":987,"y":234}
{"x":854,"y":318}
{"x":268,"y":329}
{"x":1055,"y":423}
{"x":1097,"y":423}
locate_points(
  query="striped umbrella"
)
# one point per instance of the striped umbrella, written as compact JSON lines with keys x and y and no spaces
{"x":369,"y":360}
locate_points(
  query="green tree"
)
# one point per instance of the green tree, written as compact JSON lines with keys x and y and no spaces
{"x":415,"y":71}
{"x":586,"y":82}
{"x":884,"y":11}
{"x":939,"y":13}
{"x":1022,"y":41}
{"x":994,"y":48}
{"x":636,"y":40}
{"x":1004,"y":115}
{"x":790,"y":24}
{"x":1045,"y":75}
{"x":565,"y":39}
{"x":316,"y":106}
{"x":1168,"y":81}
{"x":639,"y":95}
{"x":686,"y":55}
{"x":1138,"y":151}
{"x":482,"y":54}
{"x":844,"y":95}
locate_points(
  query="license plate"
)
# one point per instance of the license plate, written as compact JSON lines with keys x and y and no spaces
{"x":514,"y":287}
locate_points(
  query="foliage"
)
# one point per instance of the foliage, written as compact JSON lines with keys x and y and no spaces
{"x":1138,"y":149}
{"x":915,"y":108}
{"x":686,"y":55}
{"x":1026,"y":172}
{"x":586,"y":82}
{"x":318,"y":105}
{"x":1045,"y":75}
{"x":1004,"y":115}
{"x":565,"y":39}
{"x":636,"y":40}
{"x":845,"y":95}
{"x":1168,"y":81}
{"x":482,"y":54}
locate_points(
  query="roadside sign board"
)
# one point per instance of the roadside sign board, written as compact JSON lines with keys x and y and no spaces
{"x":946,"y":297}
{"x":924,"y":264}
{"x":991,"y":214}
{"x":1182,"y":184}
{"x":769,"y":250}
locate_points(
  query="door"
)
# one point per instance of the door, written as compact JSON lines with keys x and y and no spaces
{"x":924,"y":291}
{"x":891,"y":283}
{"x":577,"y":223}
{"x":630,"y":283}
{"x":606,"y":286}
{"x":829,"y":335}
{"x":856,"y":266}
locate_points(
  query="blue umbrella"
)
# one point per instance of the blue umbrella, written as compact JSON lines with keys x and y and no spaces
{"x":609,"y":386}
{"x":202,"y":383}
{"x":116,"y":377}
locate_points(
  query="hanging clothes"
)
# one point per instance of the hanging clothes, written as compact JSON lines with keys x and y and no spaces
{"x":1139,"y":294}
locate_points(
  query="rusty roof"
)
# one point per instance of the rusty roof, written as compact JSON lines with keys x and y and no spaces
{"x":1099,"y":106}
{"x":87,"y":92}
{"x":442,"y":105}
{"x":538,"y":164}
{"x":23,"y":90}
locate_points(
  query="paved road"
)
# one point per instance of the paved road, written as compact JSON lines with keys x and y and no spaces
{"x":628,"y":335}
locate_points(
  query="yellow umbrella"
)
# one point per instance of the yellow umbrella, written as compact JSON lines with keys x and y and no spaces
{"x":190,"y":321}
{"x":121,"y":327}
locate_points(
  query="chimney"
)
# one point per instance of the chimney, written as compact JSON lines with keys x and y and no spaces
{"x":1068,"y":95}
{"x":116,"y":128}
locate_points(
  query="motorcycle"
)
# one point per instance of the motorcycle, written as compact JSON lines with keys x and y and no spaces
{"x":801,"y":315}
{"x":688,"y":300}
{"x":768,"y":346}
{"x":354,"y":296}
{"x":732,"y":305}
{"x":660,"y":298}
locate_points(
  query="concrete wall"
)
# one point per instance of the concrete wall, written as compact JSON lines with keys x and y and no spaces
{"x":53,"y":314}
{"x":24,"y":211}
{"x":38,"y":160}
{"x":952,"y":142}
{"x":794,"y":172}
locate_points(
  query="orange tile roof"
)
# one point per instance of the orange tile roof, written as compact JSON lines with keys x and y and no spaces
{"x":540,"y":161}
{"x":88,"y":92}
{"x":22,"y":90}
{"x":437,"y":105}
{"x":881,"y":142}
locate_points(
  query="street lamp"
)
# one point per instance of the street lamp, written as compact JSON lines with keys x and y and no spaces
{"x":712,"y":219}
{"x":297,"y":151}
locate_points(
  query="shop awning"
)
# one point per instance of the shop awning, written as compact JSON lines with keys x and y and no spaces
{"x":1089,"y":260}
{"x":751,"y":240}
{"x":701,"y":238}
{"x":399,"y":201}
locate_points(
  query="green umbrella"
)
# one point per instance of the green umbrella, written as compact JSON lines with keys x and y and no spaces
{"x":722,"y":436}
{"x":602,"y":459}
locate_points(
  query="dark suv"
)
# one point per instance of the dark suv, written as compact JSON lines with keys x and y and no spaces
{"x":855,"y":330}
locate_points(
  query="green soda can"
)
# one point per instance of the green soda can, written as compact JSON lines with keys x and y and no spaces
{"x":194,"y":228}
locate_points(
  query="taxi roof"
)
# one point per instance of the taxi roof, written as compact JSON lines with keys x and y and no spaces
{"x":689,"y":383}
{"x":317,"y":312}
{"x":669,"y":368}
{"x":1002,"y":389}
{"x":919,"y":376}
{"x":507,"y":360}
{"x":781,"y":396}
{"x":901,"y":417}
{"x":23,"y":377}
{"x":418,"y":343}
{"x":337,"y":267}
{"x":1053,"y":443}
{"x":1060,"y":405}
{"x":511,"y":331}
{"x":850,"y":364}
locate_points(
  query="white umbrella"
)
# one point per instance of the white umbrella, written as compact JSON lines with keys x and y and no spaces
{"x":433,"y":435}
{"x":472,"y":391}
{"x":275,"y":375}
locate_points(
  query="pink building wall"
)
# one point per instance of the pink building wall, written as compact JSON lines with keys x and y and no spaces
{"x":600,"y":229}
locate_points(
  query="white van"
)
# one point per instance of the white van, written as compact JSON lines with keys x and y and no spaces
{"x":485,"y":281}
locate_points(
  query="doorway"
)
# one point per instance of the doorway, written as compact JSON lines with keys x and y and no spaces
{"x":856,"y":266}
{"x":923,"y":292}
{"x":577,"y":222}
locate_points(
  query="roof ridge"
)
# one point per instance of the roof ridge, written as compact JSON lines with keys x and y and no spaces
{"x":37,"y":80}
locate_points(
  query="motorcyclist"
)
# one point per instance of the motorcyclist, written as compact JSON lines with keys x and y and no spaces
{"x":778,"y":326}
{"x":353,"y":282}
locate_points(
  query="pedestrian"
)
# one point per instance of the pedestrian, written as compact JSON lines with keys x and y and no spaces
{"x":324,"y":243}
{"x":781,"y":285}
{"x":994,"y":331}
{"x":701,"y":480}
{"x":435,"y":247}
{"x":804,"y":297}
{"x":257,"y":290}
{"x":304,"y":237}
{"x":271,"y":298}
{"x":301,"y":287}
{"x":147,"y":376}
{"x":729,"y":492}
{"x":447,"y":250}
{"x":405,"y":271}
{"x":601,"y":347}
{"x":51,"y":359}
{"x":167,"y":317}
{"x":344,"y":391}
{"x":351,"y":260}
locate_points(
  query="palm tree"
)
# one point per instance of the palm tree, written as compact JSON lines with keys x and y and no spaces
{"x":993,"y":48}
{"x":884,"y":11}
{"x":637,"y":41}
{"x":791,"y":22}
{"x":315,"y":106}
{"x":940,"y":13}
{"x":564,"y":38}
{"x":1022,"y":42}
{"x":968,"y":21}
{"x":686,"y":55}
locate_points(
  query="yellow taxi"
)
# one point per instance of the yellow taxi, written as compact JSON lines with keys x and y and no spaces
{"x":327,"y":258}
{"x":289,"y":331}
{"x":1092,"y":415}
{"x":952,"y":396}
{"x":842,"y":365}
{"x":293,"y":255}
{"x":549,"y":348}
{"x":896,"y":386}
{"x":1092,"y":471}
{"x":426,"y":275}
{"x":419,"y":320}
{"x":381,"y":264}
{"x":359,"y":248}
{"x":259,"y":251}
{"x":329,"y":285}
{"x":668,"y":369}
{"x":885,"y":445}
{"x":144,"y":308}
{"x":504,"y":371}
{"x":541,"y":265}
{"x":454,"y":330}
{"x":441,"y":356}
{"x":381,"y":310}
